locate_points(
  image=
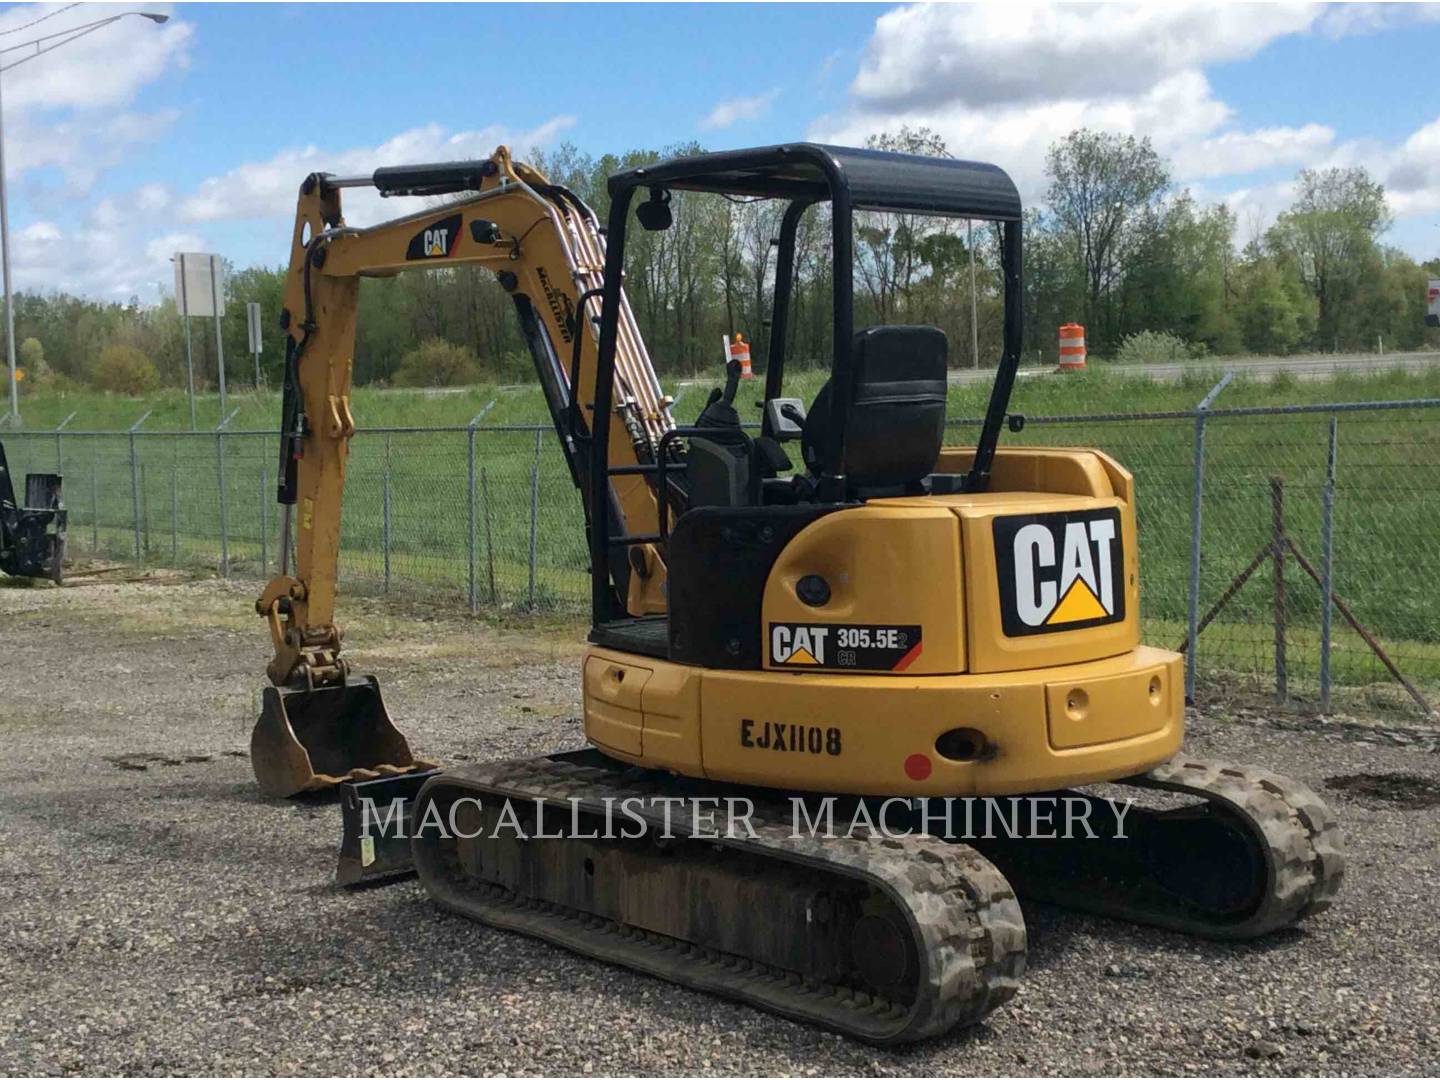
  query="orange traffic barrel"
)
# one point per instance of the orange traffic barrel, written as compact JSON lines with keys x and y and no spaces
{"x":1072,"y":347}
{"x":740,"y":353}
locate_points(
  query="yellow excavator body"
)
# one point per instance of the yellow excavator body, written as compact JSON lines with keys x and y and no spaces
{"x":904,"y":682}
{"x":893,"y":623}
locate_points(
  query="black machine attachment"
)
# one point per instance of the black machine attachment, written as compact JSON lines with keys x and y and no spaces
{"x":32,"y":534}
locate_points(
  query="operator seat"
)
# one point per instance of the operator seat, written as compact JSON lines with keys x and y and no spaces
{"x":895,"y":426}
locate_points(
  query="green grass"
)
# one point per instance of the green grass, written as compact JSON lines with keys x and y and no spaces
{"x":1039,"y":391}
{"x":1387,"y":501}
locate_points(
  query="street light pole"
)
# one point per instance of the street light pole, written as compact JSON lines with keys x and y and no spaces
{"x":42,"y":45}
{"x":5,"y":263}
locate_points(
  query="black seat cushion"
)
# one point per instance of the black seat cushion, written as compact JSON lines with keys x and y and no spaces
{"x":896,"y":422}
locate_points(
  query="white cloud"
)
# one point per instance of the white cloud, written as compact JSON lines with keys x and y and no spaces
{"x":1239,"y":152}
{"x":933,"y":56}
{"x":267,"y":189}
{"x":102,"y":69}
{"x":1411,"y":173}
{"x":68,"y":108}
{"x":81,"y":147}
{"x":69,"y":118}
{"x":1176,"y":112}
{"x":121,"y":245}
{"x":1345,"y":20}
{"x":1255,"y":208}
{"x":734,"y":110}
{"x":1002,"y":83}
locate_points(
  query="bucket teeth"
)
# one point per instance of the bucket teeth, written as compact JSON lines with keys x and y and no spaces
{"x":314,"y":739}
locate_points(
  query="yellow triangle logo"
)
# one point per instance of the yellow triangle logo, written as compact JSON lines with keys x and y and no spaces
{"x":801,"y":656}
{"x":1078,"y":605}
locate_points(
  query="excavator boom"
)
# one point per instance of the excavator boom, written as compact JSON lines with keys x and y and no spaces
{"x":320,"y":723}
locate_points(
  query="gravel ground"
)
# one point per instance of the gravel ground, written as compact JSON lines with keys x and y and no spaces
{"x":161,"y":918}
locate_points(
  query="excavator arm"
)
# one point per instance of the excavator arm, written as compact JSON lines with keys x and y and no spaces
{"x":545,"y":247}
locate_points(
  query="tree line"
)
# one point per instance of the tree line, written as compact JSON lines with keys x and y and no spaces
{"x":1117,"y":245}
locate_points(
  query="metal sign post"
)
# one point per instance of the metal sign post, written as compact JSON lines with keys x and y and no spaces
{"x":218,"y":310}
{"x":252,"y":324}
{"x":182,"y":297}
{"x":200,"y":290}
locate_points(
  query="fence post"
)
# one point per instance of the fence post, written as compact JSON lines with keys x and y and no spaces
{"x":59,"y":453}
{"x":135,"y":496}
{"x":175,"y":503}
{"x":220,"y":483}
{"x":385,"y":512}
{"x":1277,"y":544}
{"x":95,"y":503}
{"x":534,"y":511}
{"x":470,"y":518}
{"x":145,"y":511}
{"x":220,"y":487}
{"x":470,"y":504}
{"x":489,"y":536}
{"x":135,"y":482}
{"x":1327,"y":563}
{"x":1197,"y":502}
{"x":264,"y":526}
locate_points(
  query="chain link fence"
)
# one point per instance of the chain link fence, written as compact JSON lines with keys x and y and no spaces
{"x":1244,"y":515}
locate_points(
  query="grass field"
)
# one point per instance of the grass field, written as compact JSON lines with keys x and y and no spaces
{"x":409,"y":502}
{"x":1039,"y":391}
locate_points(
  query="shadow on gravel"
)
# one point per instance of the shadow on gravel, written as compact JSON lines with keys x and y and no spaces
{"x":1388,"y":791}
{"x":1057,"y":935}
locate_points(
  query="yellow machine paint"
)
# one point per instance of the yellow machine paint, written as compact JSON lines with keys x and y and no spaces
{"x":1038,"y":711}
{"x":885,"y":618}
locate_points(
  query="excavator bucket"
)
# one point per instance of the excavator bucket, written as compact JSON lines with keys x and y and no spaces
{"x":310,"y":740}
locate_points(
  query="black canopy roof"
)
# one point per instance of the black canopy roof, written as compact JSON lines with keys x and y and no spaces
{"x":875,"y":179}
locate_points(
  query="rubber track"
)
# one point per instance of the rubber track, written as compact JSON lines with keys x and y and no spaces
{"x":1298,"y":832}
{"x":1295,"y":835}
{"x":968,"y":929}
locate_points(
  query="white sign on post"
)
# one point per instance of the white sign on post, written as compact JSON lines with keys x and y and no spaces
{"x":252,"y":322}
{"x":197,"y":292}
{"x":1432,"y":313}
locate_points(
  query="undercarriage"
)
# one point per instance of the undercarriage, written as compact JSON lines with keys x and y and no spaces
{"x":888,"y":933}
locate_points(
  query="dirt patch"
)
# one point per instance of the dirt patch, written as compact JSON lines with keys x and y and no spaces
{"x":141,"y":762}
{"x":1405,"y":791}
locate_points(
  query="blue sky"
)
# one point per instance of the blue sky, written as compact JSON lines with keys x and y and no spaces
{"x":138,"y":141}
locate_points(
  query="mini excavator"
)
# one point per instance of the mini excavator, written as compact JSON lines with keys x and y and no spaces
{"x":886,"y":619}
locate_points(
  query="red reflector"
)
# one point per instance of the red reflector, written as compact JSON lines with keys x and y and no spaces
{"x":917,"y":767}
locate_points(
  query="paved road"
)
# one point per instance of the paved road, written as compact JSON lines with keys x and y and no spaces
{"x":1302,"y":367}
